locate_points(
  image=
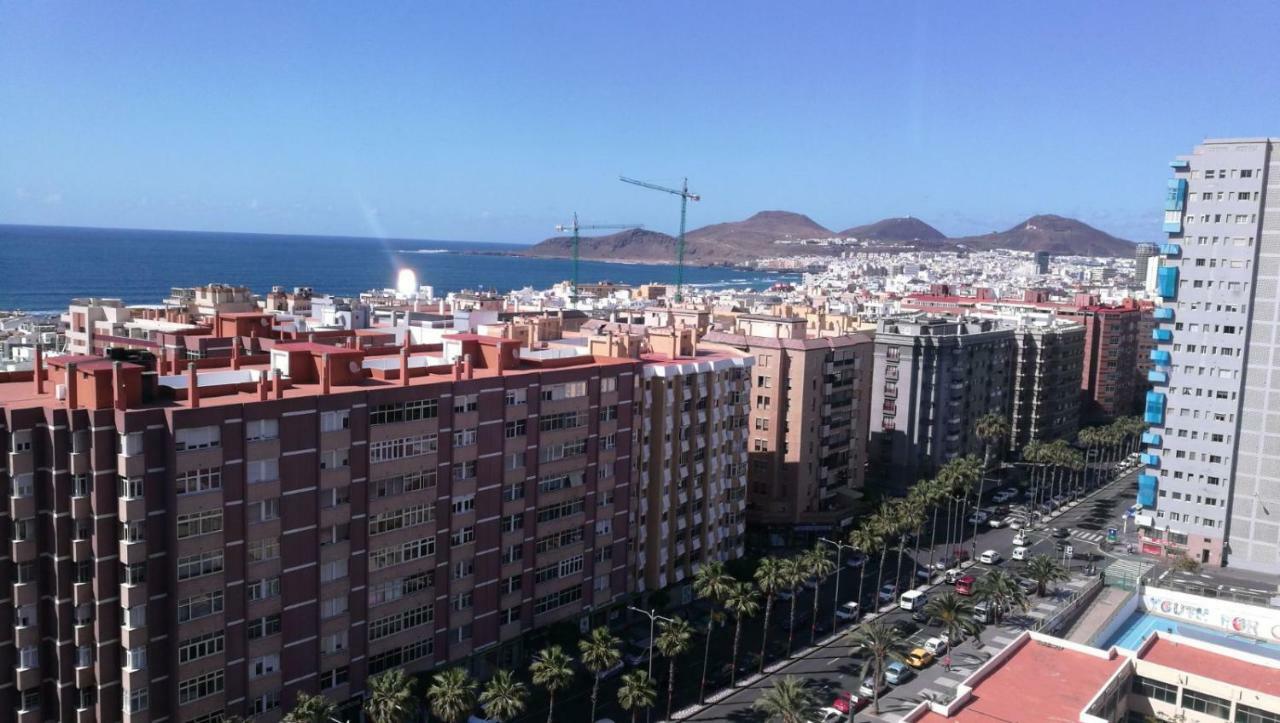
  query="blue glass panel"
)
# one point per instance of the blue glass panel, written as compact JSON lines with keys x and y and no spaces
{"x":1167,"y":281}
{"x":1155,"y":408}
{"x":1164,"y":313}
{"x":1152,"y":439}
{"x":1157,"y":377}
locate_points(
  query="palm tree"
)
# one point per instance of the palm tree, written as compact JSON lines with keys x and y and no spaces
{"x":787,"y":701}
{"x":673,"y":642}
{"x":637,"y":692}
{"x":452,"y":694}
{"x":955,"y":615}
{"x":1045,"y":570}
{"x":391,"y":697}
{"x":599,"y":653}
{"x":793,"y":570}
{"x":880,"y":642}
{"x":743,"y":602}
{"x":503,"y":697}
{"x":552,"y":669}
{"x":866,"y":540}
{"x":992,"y":429}
{"x":771,"y":577}
{"x":818,"y":565}
{"x":999,"y":589}
{"x":711,"y":582}
{"x":311,"y":709}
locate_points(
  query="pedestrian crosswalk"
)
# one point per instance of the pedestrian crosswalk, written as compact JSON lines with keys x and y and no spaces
{"x":1088,"y":536}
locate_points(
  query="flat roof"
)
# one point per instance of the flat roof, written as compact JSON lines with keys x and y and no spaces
{"x":1225,"y":666}
{"x":1063,"y":681}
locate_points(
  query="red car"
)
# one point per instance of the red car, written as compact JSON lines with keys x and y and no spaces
{"x":847,"y":702}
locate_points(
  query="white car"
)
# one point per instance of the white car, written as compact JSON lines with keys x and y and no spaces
{"x":936,"y":646}
{"x":1020,"y":539}
{"x":848,"y":611}
{"x":1014,"y":523}
{"x":977,"y":518}
{"x":1019,"y":553}
{"x":830,"y":715}
{"x":989,"y":557}
{"x":997,"y":521}
{"x":1005,"y":495}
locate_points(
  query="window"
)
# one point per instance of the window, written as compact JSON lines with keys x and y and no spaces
{"x":397,"y":657}
{"x":569,"y":390}
{"x":609,"y":413}
{"x":84,"y":656}
{"x":608,"y":384}
{"x":265,"y":588}
{"x":462,"y":536}
{"x":401,"y":484}
{"x":516,"y":428}
{"x":334,"y":678}
{"x":265,"y":549}
{"x":553,"y":452}
{"x":334,"y":642}
{"x":404,"y":412}
{"x":411,"y":516}
{"x":464,"y":437}
{"x":264,"y":665}
{"x":414,"y":446}
{"x":511,"y":523}
{"x":464,"y":470}
{"x":563,"y":420}
{"x":465,"y":403}
{"x":557,"y":570}
{"x":199,"y":523}
{"x":463,"y":568}
{"x":558,"y":540}
{"x":29,"y":657}
{"x":81,"y":485}
{"x":513,"y":492}
{"x":333,"y":570}
{"x":460,"y":634}
{"x":1155,"y":689}
{"x":335,"y":420}
{"x":335,"y":458}
{"x":399,"y":622}
{"x":404,"y":552}
{"x":555,"y":600}
{"x":1205,"y":703}
{"x":512,"y":553}
{"x":24,"y":616}
{"x":334,"y":534}
{"x":198,"y":480}
{"x":23,"y":529}
{"x":564,"y":509}
{"x":511,"y":584}
{"x":264,"y":627}
{"x":201,"y":646}
{"x":462,"y":601}
{"x":264,"y":703}
{"x":259,"y":429}
{"x":201,"y":686}
{"x":197,"y":438}
{"x":514,"y":397}
{"x":515,"y":460}
{"x":551,"y":483}
{"x":463,"y":504}
{"x":1249,"y":714}
{"x":262,"y":470}
{"x":199,"y":565}
{"x":129,"y":488}
{"x":135,"y":700}
{"x":392,"y":590}
{"x":508,"y":616}
{"x":608,"y":441}
{"x":264,"y":509}
{"x":335,"y":496}
{"x":199,"y":606}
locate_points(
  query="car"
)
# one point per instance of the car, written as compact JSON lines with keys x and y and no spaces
{"x":1021,"y":539}
{"x":1015,"y":522}
{"x":848,"y":611}
{"x":1019,"y":553}
{"x":919,"y":658}
{"x":904,"y":628}
{"x":921,"y":617}
{"x":953,"y":575}
{"x":1004,"y":495}
{"x":989,"y":557}
{"x":636,"y":654}
{"x":1000,"y":510}
{"x":996,"y":522}
{"x":1028,"y":585}
{"x":847,"y":702}
{"x":831,"y":715}
{"x":913,"y":600}
{"x":1061,"y":533}
{"x":937,"y":646}
{"x":897,"y":673}
{"x":870,"y":687}
{"x":1060,"y":500}
{"x":977,"y":518}
{"x":964,"y":585}
{"x":888,"y":592}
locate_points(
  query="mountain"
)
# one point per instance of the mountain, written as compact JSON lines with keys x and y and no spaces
{"x":719,"y":243}
{"x":1056,"y":234}
{"x":894,"y":229}
{"x":633,"y":244}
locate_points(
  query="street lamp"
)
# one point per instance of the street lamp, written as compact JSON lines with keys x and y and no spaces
{"x":653,"y":618}
{"x":835,"y":595}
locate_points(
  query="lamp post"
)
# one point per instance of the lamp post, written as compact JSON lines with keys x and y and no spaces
{"x":835,"y":595}
{"x":653,"y":618}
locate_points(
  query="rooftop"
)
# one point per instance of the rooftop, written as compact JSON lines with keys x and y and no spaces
{"x":1208,"y":661}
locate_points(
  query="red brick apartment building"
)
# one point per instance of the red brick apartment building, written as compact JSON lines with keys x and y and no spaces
{"x":191,"y":538}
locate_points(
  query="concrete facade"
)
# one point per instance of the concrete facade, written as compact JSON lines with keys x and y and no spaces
{"x":1046,"y":381}
{"x":934,"y":377}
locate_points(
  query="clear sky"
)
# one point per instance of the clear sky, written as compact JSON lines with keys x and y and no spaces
{"x":492,"y":121}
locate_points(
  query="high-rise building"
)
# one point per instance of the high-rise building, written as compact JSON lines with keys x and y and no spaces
{"x":1210,"y":489}
{"x":1046,"y":380}
{"x":1107,"y":377}
{"x":220,"y":539}
{"x":1142,"y":255}
{"x":692,"y":459}
{"x":934,"y":377}
{"x":810,"y":399}
{"x":1042,"y":262}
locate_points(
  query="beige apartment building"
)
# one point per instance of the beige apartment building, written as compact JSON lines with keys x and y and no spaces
{"x":810,"y":400}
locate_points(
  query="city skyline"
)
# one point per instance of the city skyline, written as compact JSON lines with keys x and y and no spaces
{"x":398,"y":126}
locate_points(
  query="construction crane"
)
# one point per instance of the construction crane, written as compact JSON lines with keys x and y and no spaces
{"x":575,"y":227}
{"x":685,"y":197}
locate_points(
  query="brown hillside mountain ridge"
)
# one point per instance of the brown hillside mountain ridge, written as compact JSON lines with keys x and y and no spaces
{"x":753,"y":238}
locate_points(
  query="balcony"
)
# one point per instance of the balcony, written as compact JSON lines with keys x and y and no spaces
{"x":1167,"y":282}
{"x":1164,"y":313}
{"x":1150,"y":460}
{"x":1154,"y":411}
{"x":1162,"y":335}
{"x":1160,"y":356}
{"x":1152,"y":439}
{"x":1147,"y":490}
{"x":1157,"y":377}
{"x":1171,"y":250}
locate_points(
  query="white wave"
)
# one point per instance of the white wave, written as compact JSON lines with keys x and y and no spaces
{"x":423,"y":251}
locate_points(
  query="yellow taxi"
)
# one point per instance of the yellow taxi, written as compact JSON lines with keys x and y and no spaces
{"x":919,"y":658}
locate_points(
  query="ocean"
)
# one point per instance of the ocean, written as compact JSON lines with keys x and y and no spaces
{"x":43,"y":267}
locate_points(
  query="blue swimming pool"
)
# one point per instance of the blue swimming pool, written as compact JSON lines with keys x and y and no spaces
{"x":1141,"y":624}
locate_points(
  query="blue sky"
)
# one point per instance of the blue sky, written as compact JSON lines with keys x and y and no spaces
{"x":492,"y":121}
